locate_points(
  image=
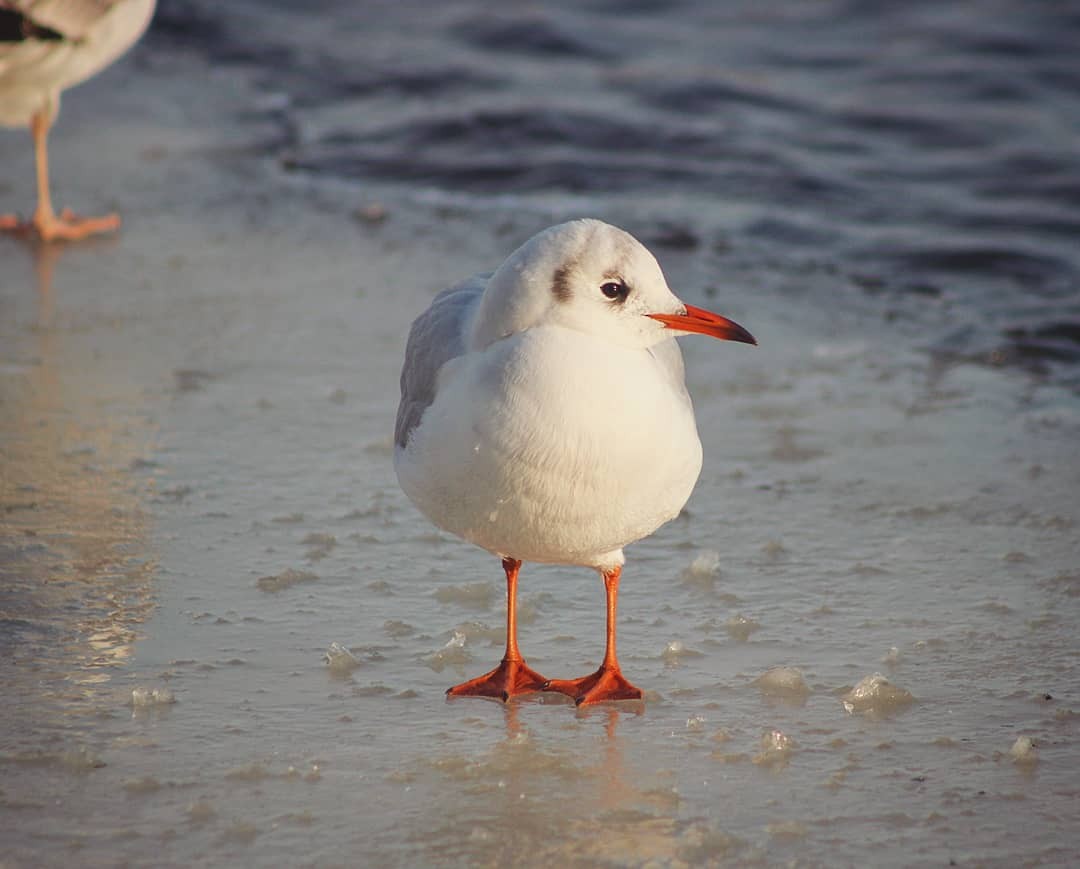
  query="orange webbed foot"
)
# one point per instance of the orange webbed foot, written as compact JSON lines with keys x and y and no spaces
{"x":507,"y":680}
{"x":67,"y":226}
{"x":606,"y":684}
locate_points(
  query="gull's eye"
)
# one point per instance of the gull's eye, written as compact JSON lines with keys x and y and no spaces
{"x":617,"y":291}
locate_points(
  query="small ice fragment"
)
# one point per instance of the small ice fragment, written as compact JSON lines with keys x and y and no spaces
{"x":319,"y":545}
{"x":253,"y":772}
{"x":453,"y":653}
{"x":672,"y":651}
{"x":398,"y":629}
{"x":1023,"y":751}
{"x":695,"y":722}
{"x":145,"y":785}
{"x":675,"y":651}
{"x":477,"y":595}
{"x":876,"y":696}
{"x":774,"y":550}
{"x":312,"y":775}
{"x":776,"y":749}
{"x":200,"y":811}
{"x":146,"y":697}
{"x":739,"y":627}
{"x":242,"y":832}
{"x":80,"y":760}
{"x":283,"y":580}
{"x":787,"y":830}
{"x":783,"y":682}
{"x":729,"y":756}
{"x":702,"y":572}
{"x":340,"y":660}
{"x":704,"y":566}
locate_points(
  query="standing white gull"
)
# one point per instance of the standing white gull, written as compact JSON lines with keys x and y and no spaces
{"x":47,"y":46}
{"x":544,"y":417}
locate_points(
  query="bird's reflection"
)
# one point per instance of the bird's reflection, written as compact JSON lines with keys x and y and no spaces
{"x":74,"y":567}
{"x":549,"y":787}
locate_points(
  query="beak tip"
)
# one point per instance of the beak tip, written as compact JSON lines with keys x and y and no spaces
{"x":694,"y":319}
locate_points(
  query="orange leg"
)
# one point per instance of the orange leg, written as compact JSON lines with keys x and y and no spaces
{"x":513,"y":676}
{"x":607,"y":683}
{"x":45,"y":223}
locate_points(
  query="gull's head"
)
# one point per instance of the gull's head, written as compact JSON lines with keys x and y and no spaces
{"x":596,"y":278}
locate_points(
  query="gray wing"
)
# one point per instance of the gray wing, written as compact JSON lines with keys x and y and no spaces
{"x":436,"y":337}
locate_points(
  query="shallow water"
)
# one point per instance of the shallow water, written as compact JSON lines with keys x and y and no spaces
{"x":198,"y":496}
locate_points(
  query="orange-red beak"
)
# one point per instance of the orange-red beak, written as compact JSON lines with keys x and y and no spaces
{"x":706,"y":323}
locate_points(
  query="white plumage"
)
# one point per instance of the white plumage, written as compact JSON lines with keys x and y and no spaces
{"x":544,"y":416}
{"x":47,"y":46}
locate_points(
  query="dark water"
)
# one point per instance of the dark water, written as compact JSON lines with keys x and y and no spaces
{"x":923,"y":153}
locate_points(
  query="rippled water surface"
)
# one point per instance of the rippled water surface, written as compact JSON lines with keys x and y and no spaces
{"x":195,"y":435}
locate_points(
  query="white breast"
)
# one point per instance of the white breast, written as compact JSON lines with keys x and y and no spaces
{"x":554,"y":446}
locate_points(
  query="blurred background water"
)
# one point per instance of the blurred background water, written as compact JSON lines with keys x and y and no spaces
{"x":926,"y":154}
{"x":198,"y":496}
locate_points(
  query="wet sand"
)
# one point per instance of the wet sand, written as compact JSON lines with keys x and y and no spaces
{"x":198,"y":500}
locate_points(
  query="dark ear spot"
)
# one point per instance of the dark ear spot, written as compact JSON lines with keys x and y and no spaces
{"x":560,"y":284}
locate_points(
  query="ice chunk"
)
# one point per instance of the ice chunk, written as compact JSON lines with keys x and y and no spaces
{"x":477,"y":595}
{"x":774,"y":550}
{"x":240,"y":832}
{"x":776,"y":749}
{"x":314,"y":774}
{"x":145,"y":785}
{"x":783,"y":682}
{"x":876,"y":696}
{"x":319,"y":545}
{"x":787,"y":830}
{"x":252,"y":772}
{"x":398,"y":629}
{"x":80,"y":760}
{"x":675,"y":651}
{"x":340,"y":660}
{"x":200,"y":811}
{"x":703,"y":570}
{"x":453,"y":653}
{"x":142,"y":698}
{"x":739,"y":627}
{"x":283,"y":580}
{"x":1023,"y":751}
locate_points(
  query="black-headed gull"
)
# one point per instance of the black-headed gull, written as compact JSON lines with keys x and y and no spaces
{"x":544,"y":417}
{"x":47,"y":46}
